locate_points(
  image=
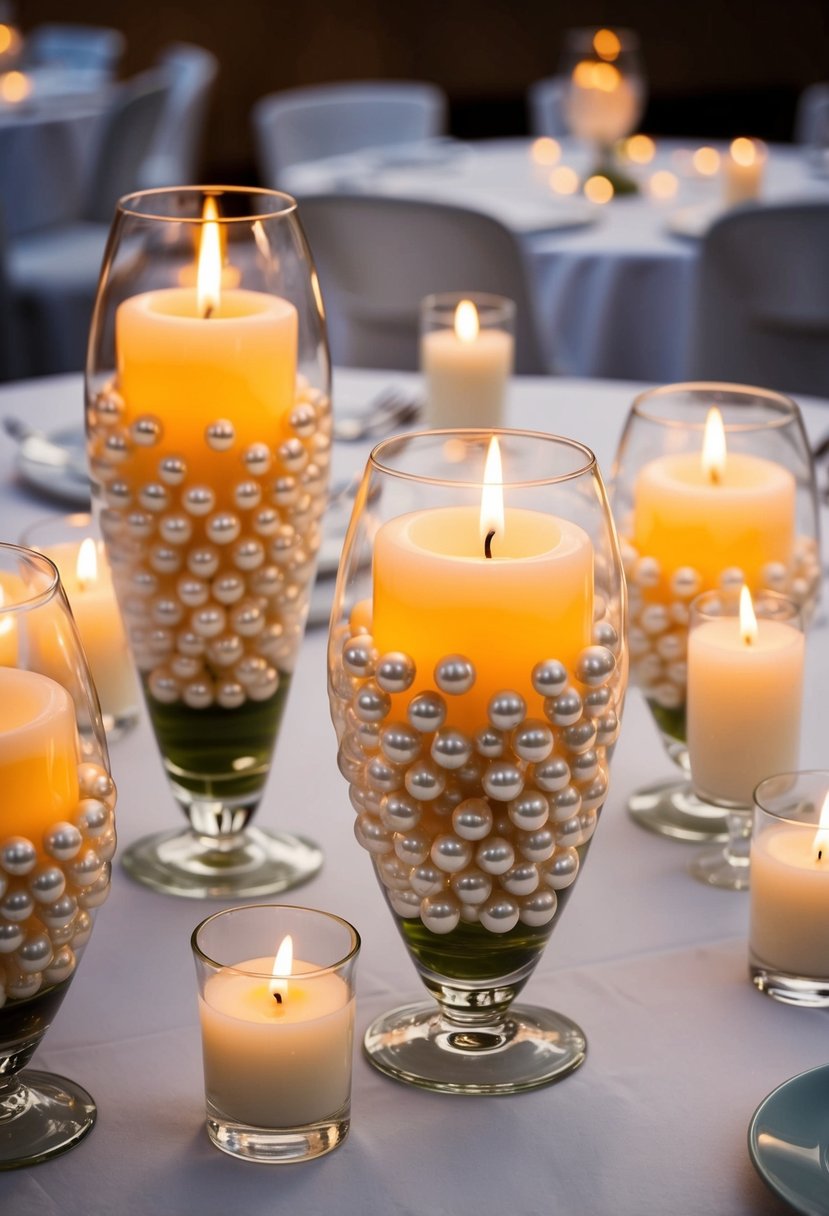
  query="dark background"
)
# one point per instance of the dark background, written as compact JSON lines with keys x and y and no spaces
{"x":714,"y":69}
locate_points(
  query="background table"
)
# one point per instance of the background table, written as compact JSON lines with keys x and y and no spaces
{"x":614,"y":286}
{"x":681,"y":1048}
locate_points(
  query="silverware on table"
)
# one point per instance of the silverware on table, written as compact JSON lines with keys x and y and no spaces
{"x":390,"y":409}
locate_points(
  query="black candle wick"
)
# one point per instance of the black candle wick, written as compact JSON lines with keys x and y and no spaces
{"x":488,"y":543}
{"x":277,"y":996}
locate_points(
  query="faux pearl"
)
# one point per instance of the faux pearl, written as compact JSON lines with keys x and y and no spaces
{"x":472,"y":819}
{"x":18,"y":855}
{"x":189,"y":643}
{"x":565,"y":709}
{"x":395,"y":672}
{"x":199,"y":500}
{"x":424,"y":781}
{"x":686,"y":583}
{"x":400,"y":743}
{"x":596,"y":702}
{"x":62,"y":965}
{"x":450,"y":749}
{"x":568,"y":833}
{"x":471,"y":886}
{"x":47,"y":884}
{"x":223,"y":651}
{"x":450,"y":854}
{"x":538,"y":909}
{"x":223,"y":528}
{"x":83,"y":930}
{"x":360,"y":657}
{"x":536,"y":846}
{"x":285,"y":491}
{"x":175,"y":529}
{"x":230,"y":694}
{"x":654,"y":619}
{"x":549,"y":679}
{"x":579,"y":737}
{"x":208,"y":622}
{"x":530,"y":811}
{"x":247,"y":619}
{"x":382,"y":776}
{"x":440,"y":913}
{"x":203,"y":561}
{"x":63,"y":840}
{"x":552,"y":775}
{"x":59,"y":914}
{"x":227,"y":588}
{"x":647,"y":572}
{"x":266,"y":521}
{"x":247,"y":495}
{"x":427,"y":712}
{"x":16,"y":906}
{"x":140,"y":525}
{"x":220,"y":435}
{"x":604,"y":634}
{"x":506,"y":710}
{"x":164,"y":687}
{"x":399,"y":813}
{"x":34,"y":953}
{"x":292,"y":455}
{"x":198,"y":694}
{"x":172,"y":470}
{"x":565,"y":804}
{"x":427,"y":879}
{"x":405,"y":903}
{"x":503,"y":781}
{"x":372,"y":704}
{"x":454,"y":675}
{"x":371,"y":834}
{"x":533,"y":740}
{"x":595,"y":666}
{"x":490,"y":743}
{"x":303,"y":419}
{"x":412,"y":847}
{"x":495,"y":855}
{"x":165,"y":560}
{"x":11,"y":935}
{"x":521,"y":879}
{"x":92,"y":819}
{"x":500,"y":914}
{"x":585,"y":766}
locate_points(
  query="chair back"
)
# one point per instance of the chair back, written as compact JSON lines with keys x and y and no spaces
{"x":328,"y":120}
{"x":91,"y":48}
{"x":811,"y":121}
{"x":191,"y":72}
{"x":762,"y":308}
{"x":545,"y":106}
{"x":378,"y":257}
{"x":128,"y":129}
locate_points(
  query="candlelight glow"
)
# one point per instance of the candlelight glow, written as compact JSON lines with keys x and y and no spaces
{"x":15,"y":86}
{"x":606,"y":44}
{"x":640,"y":149}
{"x":6,"y":38}
{"x":663,"y":184}
{"x":564,"y":180}
{"x":821,"y":846}
{"x":598,"y":189}
{"x":546,"y":151}
{"x":706,"y":161}
{"x":748,"y":619}
{"x":713,"y":446}
{"x":467,"y":324}
{"x":744,"y":151}
{"x":6,"y":622}
{"x":282,"y":966}
{"x":492,"y":493}
{"x":209,"y":278}
{"x":86,"y":567}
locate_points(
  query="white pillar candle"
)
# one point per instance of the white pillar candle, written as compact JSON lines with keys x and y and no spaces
{"x":790,"y":900}
{"x":467,"y":368}
{"x":742,"y":171}
{"x":744,"y":705}
{"x":276,"y":1064}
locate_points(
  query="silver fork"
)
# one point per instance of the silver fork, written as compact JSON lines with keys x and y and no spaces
{"x":390,"y":409}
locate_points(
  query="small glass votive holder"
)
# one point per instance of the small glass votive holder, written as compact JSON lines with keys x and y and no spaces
{"x":467,"y":352}
{"x":789,"y":921}
{"x":277,"y":1025}
{"x":743,"y":168}
{"x":74,"y":544}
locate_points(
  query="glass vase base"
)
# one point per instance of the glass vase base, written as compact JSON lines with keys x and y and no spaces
{"x":251,"y":863}
{"x":788,"y":988}
{"x":671,"y":808}
{"x":528,"y":1048}
{"x":278,"y":1146}
{"x":719,"y":868}
{"x":44,"y":1115}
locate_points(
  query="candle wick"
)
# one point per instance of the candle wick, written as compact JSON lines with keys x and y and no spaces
{"x":714,"y":475}
{"x":488,"y":543}
{"x":208,"y":312}
{"x":277,"y":996}
{"x":820,"y":854}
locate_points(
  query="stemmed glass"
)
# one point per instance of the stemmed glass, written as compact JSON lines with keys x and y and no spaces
{"x":604,"y":94}
{"x":208,"y":420}
{"x":57,"y":842}
{"x":692,"y":520}
{"x":477,"y":668}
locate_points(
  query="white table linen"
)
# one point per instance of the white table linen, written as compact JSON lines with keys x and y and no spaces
{"x":681,"y":1048}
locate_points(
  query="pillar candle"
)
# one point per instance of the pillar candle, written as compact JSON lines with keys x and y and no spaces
{"x":467,"y":369}
{"x":276,"y":1064}
{"x":742,"y":170}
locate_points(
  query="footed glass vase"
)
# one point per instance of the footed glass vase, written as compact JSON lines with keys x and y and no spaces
{"x":713,"y":487}
{"x":56,"y":845}
{"x":477,"y":669}
{"x":208,"y":421}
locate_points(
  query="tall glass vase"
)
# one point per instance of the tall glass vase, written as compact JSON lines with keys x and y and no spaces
{"x":706,"y":502}
{"x":208,"y":420}
{"x":477,"y":668}
{"x":56,"y":844}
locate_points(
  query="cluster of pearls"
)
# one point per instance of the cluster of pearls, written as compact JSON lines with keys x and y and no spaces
{"x":478,"y":826}
{"x":49,"y":890}
{"x":658,"y":636}
{"x":213,"y":579}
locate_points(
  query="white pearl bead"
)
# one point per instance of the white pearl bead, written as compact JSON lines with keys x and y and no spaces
{"x":472,"y":819}
{"x":203,"y":561}
{"x":198,"y":694}
{"x":536,"y":846}
{"x":495,"y":855}
{"x":530,"y":811}
{"x":412,"y":847}
{"x":257,"y":459}
{"x":538,"y":909}
{"x":427,"y":879}
{"x":449,"y":853}
{"x":500,"y":914}
{"x":247,"y":495}
{"x":520,"y":879}
{"x":223,"y":528}
{"x":399,"y":813}
{"x":553,"y":774}
{"x":63,"y":840}
{"x":440,"y":913}
{"x":220,"y":435}
{"x":248,"y":554}
{"x":471,"y":886}
{"x":230,"y":694}
{"x":561,"y":870}
{"x":503,"y":781}
{"x":208,"y":622}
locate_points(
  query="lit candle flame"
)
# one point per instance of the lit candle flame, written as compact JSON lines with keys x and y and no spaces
{"x":822,"y":833}
{"x":492,"y":496}
{"x":748,"y":619}
{"x":467,"y":323}
{"x":86,"y":567}
{"x":6,"y":622}
{"x":744,"y":151}
{"x":282,"y":966}
{"x":606,"y":44}
{"x":713,"y":446}
{"x":209,"y":277}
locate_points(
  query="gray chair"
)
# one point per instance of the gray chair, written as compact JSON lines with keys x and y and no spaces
{"x":53,"y":272}
{"x":762,"y":307}
{"x":305,"y":124}
{"x":811,"y":122}
{"x":94,"y":49}
{"x":191,"y":72}
{"x":545,"y":106}
{"x":378,"y":257}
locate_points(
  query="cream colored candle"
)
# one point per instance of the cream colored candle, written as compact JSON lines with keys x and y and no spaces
{"x":276,"y":1064}
{"x":713,"y":513}
{"x":601,"y":103}
{"x":790,"y":899}
{"x":437,"y":594}
{"x":742,"y":171}
{"x":88,"y":585}
{"x":745,"y":691}
{"x":38,"y":754}
{"x":467,"y":369}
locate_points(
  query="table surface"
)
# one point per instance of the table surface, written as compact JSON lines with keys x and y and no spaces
{"x":614,"y":290}
{"x":650,"y":963}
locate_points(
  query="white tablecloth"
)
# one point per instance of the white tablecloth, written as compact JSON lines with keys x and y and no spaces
{"x":614,"y":291}
{"x":649,"y":962}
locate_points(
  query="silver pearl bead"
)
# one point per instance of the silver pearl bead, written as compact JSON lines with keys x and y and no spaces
{"x":175,"y":529}
{"x":18,"y":855}
{"x":490,"y":743}
{"x":395,"y":672}
{"x":16,"y":906}
{"x":565,"y":804}
{"x":292,"y":455}
{"x":372,"y":704}
{"x":579,"y":737}
{"x":424,"y":781}
{"x":654,"y":619}
{"x":248,"y":554}
{"x":399,"y":813}
{"x":587,"y":821}
{"x":440,"y":913}
{"x":203,"y":561}
{"x":266,"y":521}
{"x":223,"y":528}
{"x":732,"y":579}
{"x":59,"y":914}
{"x":141,"y":525}
{"x":154,"y":497}
{"x":472,"y":819}
{"x":166,"y":612}
{"x":500,"y":913}
{"x":226,"y":588}
{"x":11,"y":935}
{"x":34,"y":953}
{"x":400,"y":743}
{"x":553,"y":774}
{"x":47,"y":883}
{"x":533,"y":740}
{"x":495,"y":855}
{"x":199,"y":500}
{"x":427,"y":879}
{"x":596,"y":702}
{"x":450,"y":749}
{"x":63,"y":840}
{"x":503,"y":781}
{"x":247,"y":495}
{"x":83,"y":929}
{"x":549,"y":678}
{"x":594,"y":794}
{"x":382,"y":776}
{"x":198,"y":694}
{"x":163,"y":686}
{"x":647,"y":572}
{"x":392,"y":872}
{"x":412,"y":847}
{"x":360,"y":656}
{"x":671,"y":646}
{"x":604,"y":634}
{"x":454,"y":675}
{"x":506,"y":709}
{"x":189,"y":643}
{"x":608,"y":729}
{"x":405,"y":903}
{"x":62,"y":965}
{"x":267,"y":581}
{"x":285,"y":491}
{"x":303,"y":419}
{"x":172,"y":470}
{"x":538,"y":909}
{"x":585,"y":766}
{"x":595,"y":666}
{"x":371,"y":834}
{"x":427,"y":712}
{"x":521,"y":879}
{"x":568,"y":833}
{"x":220,"y":435}
{"x":774,"y":576}
{"x":530,"y":811}
{"x":247,"y":619}
{"x":208,"y":622}
{"x":230,"y":694}
{"x":565,"y":709}
{"x":685,"y":583}
{"x":471,"y":886}
{"x":536,"y":846}
{"x":21,"y":986}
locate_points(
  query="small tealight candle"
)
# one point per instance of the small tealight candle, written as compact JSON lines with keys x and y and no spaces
{"x":742,"y":170}
{"x":789,"y":933}
{"x":466,"y":354}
